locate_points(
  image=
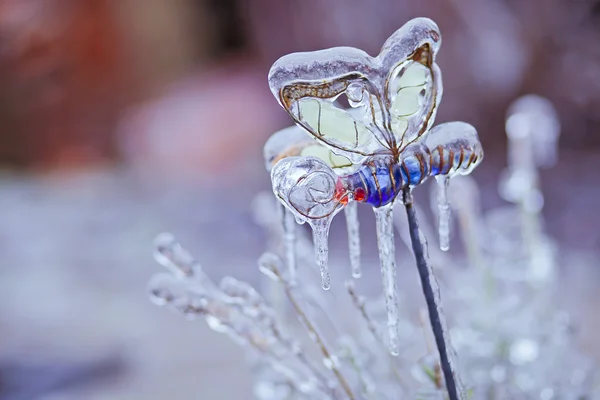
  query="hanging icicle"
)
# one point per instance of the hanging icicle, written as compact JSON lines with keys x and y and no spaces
{"x":443,"y":212}
{"x":353,"y":238}
{"x":387,"y":259}
{"x":289,"y":243}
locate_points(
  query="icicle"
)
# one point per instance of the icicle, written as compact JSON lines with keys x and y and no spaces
{"x":443,"y":212}
{"x":289,"y":243}
{"x":320,"y":228}
{"x":387,"y":259}
{"x":353,"y":238}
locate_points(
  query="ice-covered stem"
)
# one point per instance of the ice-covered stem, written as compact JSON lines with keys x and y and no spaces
{"x":255,"y":307}
{"x":533,"y":128}
{"x":432,"y":298}
{"x":443,"y":212}
{"x":224,"y":319}
{"x":289,"y":242}
{"x":273,"y":269}
{"x":169,"y":253}
{"x":359,"y":303}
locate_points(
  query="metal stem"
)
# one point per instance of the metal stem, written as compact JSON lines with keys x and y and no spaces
{"x":435,"y":316}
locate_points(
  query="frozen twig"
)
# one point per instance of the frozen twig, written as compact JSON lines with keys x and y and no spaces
{"x":432,"y":298}
{"x":312,"y":331}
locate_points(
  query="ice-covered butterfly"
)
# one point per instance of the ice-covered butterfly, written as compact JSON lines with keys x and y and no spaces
{"x":373,"y":150}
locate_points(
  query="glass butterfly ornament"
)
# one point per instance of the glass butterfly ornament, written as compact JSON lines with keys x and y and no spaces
{"x":380,"y":146}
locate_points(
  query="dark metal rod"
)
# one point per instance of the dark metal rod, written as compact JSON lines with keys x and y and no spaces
{"x":434,"y":315}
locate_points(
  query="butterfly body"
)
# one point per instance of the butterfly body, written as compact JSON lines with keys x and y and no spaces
{"x":378,"y":182}
{"x":374,"y":183}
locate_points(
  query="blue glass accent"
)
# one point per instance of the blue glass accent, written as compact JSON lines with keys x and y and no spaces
{"x":379,"y":188}
{"x":385,"y":184}
{"x":397,"y":172}
{"x":404,"y":172}
{"x":435,"y":162}
{"x":414,"y":169}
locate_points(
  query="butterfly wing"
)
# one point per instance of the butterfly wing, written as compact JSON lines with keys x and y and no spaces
{"x":394,"y":96}
{"x":413,"y":86}
{"x":293,"y":141}
{"x":307,"y":85}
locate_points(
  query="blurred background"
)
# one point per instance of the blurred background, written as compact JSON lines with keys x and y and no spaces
{"x":122,"y":119}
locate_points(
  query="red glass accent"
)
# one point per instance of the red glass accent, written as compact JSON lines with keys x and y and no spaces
{"x":359,"y":194}
{"x":341,"y":194}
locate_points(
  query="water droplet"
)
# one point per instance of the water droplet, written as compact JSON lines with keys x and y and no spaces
{"x":355,"y":94}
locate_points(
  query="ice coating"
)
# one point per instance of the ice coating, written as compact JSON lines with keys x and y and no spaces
{"x":353,"y":238}
{"x":443,"y":212}
{"x":307,"y":187}
{"x":270,"y":265}
{"x":286,"y":142}
{"x":235,"y":308}
{"x":533,"y":121}
{"x":307,"y":84}
{"x":386,"y":136}
{"x":387,"y":259}
{"x":455,"y":150}
{"x":169,"y":253}
{"x":448,"y":349}
{"x":320,"y":229}
{"x":289,"y":242}
{"x":431,"y":292}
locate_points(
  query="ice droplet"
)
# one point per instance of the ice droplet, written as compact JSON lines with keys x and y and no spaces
{"x":353,"y":238}
{"x":355,"y":94}
{"x":443,"y":212}
{"x":320,"y":228}
{"x":289,"y":242}
{"x":387,"y":260}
